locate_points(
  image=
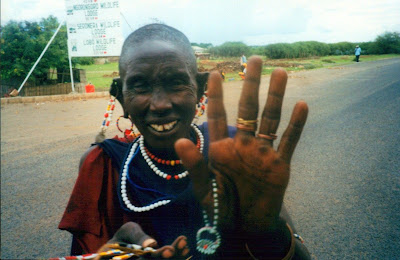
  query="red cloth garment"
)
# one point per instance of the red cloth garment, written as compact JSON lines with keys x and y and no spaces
{"x":93,"y":213}
{"x":82,"y":216}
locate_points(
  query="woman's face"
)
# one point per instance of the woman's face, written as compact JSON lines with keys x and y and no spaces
{"x":160,"y":93}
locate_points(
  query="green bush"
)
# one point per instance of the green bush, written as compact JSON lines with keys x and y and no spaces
{"x":84,"y":60}
{"x":388,"y":43}
{"x":230,"y":49}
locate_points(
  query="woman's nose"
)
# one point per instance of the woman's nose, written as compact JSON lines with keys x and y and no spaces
{"x":160,"y":101}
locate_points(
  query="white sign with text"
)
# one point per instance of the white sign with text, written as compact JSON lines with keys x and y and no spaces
{"x":94,"y":28}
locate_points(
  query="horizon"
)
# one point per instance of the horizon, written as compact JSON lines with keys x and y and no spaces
{"x":255,"y":23}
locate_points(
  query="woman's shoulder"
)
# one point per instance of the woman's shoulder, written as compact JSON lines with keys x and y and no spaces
{"x":114,"y":148}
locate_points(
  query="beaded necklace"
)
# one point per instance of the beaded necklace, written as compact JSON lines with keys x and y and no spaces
{"x":168,"y":162}
{"x":208,"y":238}
{"x":158,"y":171}
{"x":125,"y":170}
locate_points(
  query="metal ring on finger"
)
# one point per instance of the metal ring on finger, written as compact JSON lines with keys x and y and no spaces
{"x":270,"y":137}
{"x":246,"y":125}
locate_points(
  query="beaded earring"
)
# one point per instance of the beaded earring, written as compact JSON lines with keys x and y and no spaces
{"x":107,"y":120}
{"x":200,"y":108}
{"x":128,"y":132}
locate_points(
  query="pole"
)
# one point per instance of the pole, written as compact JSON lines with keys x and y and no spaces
{"x":70,"y":71}
{"x":40,"y":57}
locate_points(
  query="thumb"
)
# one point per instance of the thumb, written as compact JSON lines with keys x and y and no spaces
{"x":194,"y":162}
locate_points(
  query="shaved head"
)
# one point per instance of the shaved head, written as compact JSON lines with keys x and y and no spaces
{"x":158,"y":32}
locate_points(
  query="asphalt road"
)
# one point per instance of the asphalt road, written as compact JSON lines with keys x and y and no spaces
{"x":344,"y":192}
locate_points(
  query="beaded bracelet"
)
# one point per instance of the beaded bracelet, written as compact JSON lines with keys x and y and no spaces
{"x":118,"y":251}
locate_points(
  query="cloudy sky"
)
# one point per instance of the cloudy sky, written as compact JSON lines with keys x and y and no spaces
{"x":254,"y":22}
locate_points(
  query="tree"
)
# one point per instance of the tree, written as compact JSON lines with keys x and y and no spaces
{"x":202,"y":45}
{"x":230,"y":49}
{"x":23,"y":42}
{"x":389,"y":42}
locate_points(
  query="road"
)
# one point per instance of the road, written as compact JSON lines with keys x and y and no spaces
{"x":345,"y":184}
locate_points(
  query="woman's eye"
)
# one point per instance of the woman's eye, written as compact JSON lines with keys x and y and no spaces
{"x":178,"y":82}
{"x":138,"y":87}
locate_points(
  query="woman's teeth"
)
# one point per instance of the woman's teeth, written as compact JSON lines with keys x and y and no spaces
{"x":165,"y":127}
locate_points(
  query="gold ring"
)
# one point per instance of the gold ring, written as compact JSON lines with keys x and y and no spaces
{"x":246,"y":125}
{"x":270,"y":137}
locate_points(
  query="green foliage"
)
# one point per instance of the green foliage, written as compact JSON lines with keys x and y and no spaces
{"x":296,"y":50}
{"x":387,"y":43}
{"x":230,"y":49}
{"x":341,"y":48}
{"x":84,"y":60}
{"x":23,"y":42}
{"x":202,"y":45}
{"x":256,"y":50}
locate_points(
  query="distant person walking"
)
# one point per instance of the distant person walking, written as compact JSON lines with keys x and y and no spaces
{"x":243,"y":60}
{"x":357,"y":52}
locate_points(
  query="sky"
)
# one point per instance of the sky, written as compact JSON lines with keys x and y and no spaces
{"x":254,"y":22}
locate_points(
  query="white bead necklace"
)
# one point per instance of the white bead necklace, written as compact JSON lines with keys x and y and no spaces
{"x":154,"y":167}
{"x":124,"y":194}
{"x":208,"y":238}
{"x":124,"y":175}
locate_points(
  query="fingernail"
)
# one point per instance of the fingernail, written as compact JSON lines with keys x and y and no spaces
{"x":167,"y":253}
{"x":182,"y":244}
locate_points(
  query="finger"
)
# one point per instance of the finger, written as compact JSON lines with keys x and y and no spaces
{"x":271,"y":115}
{"x":293,"y":132}
{"x":180,"y":244}
{"x":216,"y":116}
{"x":248,"y":103}
{"x":150,"y":242}
{"x":130,"y":233}
{"x":194,"y":162}
{"x":164,"y":252}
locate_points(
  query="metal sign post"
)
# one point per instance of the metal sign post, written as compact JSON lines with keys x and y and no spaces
{"x":70,"y":70}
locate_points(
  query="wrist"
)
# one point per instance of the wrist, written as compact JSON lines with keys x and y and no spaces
{"x":275,"y":243}
{"x":279,"y":244}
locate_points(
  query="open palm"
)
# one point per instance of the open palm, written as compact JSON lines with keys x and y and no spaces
{"x":251,"y":175}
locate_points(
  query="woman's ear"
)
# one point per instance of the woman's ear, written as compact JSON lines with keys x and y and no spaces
{"x":116,"y":91}
{"x":201,"y":79}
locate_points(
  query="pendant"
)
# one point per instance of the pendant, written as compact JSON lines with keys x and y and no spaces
{"x":208,"y":240}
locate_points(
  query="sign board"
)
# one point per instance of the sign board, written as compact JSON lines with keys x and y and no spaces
{"x":94,"y":28}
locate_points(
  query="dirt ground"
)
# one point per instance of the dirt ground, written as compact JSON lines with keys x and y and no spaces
{"x":234,"y":66}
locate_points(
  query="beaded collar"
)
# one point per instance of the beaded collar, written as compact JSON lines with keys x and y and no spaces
{"x":208,"y":238}
{"x":139,"y":143}
{"x":158,"y":171}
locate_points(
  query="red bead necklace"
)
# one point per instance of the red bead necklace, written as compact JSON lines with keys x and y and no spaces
{"x":167,"y":162}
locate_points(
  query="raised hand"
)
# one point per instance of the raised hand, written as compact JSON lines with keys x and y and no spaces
{"x":252,"y":177}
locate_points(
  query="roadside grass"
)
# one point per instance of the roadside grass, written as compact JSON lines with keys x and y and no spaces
{"x":101,"y":75}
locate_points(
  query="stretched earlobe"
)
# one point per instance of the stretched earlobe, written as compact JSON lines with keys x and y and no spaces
{"x":116,"y":91}
{"x":201,"y":79}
